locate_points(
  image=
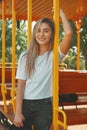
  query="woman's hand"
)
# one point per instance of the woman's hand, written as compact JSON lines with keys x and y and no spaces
{"x":18,"y":120}
{"x":61,"y":13}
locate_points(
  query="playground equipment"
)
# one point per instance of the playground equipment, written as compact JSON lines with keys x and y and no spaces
{"x":33,"y":10}
{"x":13,"y":5}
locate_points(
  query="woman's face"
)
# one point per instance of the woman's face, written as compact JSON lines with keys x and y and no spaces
{"x":43,"y":34}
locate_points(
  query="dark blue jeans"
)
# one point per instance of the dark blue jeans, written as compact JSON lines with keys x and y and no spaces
{"x":37,"y":113}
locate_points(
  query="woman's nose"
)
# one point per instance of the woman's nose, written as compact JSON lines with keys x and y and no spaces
{"x":41,"y":33}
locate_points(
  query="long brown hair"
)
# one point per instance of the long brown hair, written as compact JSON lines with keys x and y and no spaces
{"x":34,"y":48}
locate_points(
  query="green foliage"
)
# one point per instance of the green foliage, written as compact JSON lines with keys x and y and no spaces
{"x":71,"y":59}
{"x":21,"y":40}
{"x":8,"y":41}
{"x":84,"y":34}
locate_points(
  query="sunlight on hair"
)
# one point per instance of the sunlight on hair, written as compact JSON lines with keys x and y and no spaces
{"x":33,"y":23}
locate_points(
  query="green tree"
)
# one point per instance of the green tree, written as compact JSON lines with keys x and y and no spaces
{"x":21,"y":40}
{"x":84,"y":39}
{"x":8,"y":51}
{"x":71,"y":59}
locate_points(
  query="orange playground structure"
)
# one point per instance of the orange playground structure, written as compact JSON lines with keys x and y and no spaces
{"x":33,"y":10}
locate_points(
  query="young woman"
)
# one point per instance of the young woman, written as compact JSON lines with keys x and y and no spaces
{"x":34,"y":73}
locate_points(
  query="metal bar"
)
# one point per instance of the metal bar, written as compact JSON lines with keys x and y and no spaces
{"x":3,"y":87}
{"x":78,"y":50}
{"x":55,"y":65}
{"x":13,"y":53}
{"x":29,"y":18}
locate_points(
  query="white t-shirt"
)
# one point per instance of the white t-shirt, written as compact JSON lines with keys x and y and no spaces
{"x":39,"y":86}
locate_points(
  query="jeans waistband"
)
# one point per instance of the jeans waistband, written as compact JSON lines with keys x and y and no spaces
{"x":38,"y":100}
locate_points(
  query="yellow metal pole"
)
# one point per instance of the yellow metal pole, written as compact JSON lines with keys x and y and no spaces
{"x":13,"y":90}
{"x":55,"y":65}
{"x":78,"y":24}
{"x":56,"y":110}
{"x":29,"y":18}
{"x":3,"y":89}
{"x":78,"y":50}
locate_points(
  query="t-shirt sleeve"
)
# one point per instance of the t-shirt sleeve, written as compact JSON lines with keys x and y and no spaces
{"x":21,"y":69}
{"x":61,"y":55}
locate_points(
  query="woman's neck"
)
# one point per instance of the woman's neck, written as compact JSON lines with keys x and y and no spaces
{"x":43,"y":50}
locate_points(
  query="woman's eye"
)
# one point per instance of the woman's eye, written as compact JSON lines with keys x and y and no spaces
{"x":38,"y":31}
{"x":46,"y":31}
